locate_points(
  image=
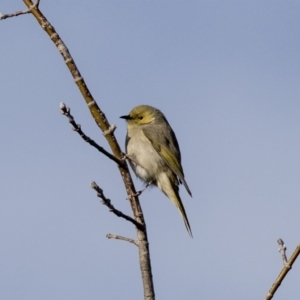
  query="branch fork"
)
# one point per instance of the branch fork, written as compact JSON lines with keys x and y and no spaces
{"x":107,"y":202}
{"x":66,"y":111}
{"x":21,"y":12}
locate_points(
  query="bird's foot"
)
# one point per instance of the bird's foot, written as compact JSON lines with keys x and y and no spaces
{"x":124,"y":156}
{"x":142,"y":190}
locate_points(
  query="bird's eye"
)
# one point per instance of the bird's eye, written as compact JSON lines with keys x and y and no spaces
{"x":141,"y":117}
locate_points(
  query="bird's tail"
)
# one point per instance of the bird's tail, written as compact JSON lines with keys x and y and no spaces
{"x":182,"y":212}
{"x":171,"y":191}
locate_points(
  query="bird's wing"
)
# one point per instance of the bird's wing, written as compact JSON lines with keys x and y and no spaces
{"x":168,"y":156}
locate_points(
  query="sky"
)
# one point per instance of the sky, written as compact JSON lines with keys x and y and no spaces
{"x":226,"y":75}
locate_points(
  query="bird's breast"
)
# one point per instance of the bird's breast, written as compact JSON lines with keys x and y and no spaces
{"x":146,"y":163}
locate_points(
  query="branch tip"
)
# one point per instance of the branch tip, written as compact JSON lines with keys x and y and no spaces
{"x":122,"y":238}
{"x":282,"y":250}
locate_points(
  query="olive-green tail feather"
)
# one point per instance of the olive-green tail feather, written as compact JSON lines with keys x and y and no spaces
{"x":185,"y":219}
{"x":182,"y":212}
{"x":170,"y":188}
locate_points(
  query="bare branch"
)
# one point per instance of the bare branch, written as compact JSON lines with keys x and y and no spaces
{"x":21,"y":12}
{"x":103,"y":124}
{"x":118,"y":237}
{"x":112,"y":209}
{"x":66,"y":111}
{"x":286,"y":268}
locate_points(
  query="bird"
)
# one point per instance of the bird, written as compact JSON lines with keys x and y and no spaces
{"x":154,"y":155}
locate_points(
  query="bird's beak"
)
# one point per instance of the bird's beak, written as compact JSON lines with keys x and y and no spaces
{"x":125,"y":117}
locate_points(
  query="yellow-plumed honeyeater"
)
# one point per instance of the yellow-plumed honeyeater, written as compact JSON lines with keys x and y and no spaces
{"x":154,"y":153}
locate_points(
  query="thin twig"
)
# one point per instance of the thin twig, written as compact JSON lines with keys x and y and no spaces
{"x":282,"y":250}
{"x":21,"y":12}
{"x":286,"y":268}
{"x":112,"y":209}
{"x":118,"y":237}
{"x":66,"y":111}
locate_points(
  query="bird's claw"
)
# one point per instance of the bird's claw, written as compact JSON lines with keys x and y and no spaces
{"x":138,"y":193}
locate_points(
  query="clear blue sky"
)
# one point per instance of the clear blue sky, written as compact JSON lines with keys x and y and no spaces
{"x":227,"y":76}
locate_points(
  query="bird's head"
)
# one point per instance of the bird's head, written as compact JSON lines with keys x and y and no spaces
{"x":141,"y":115}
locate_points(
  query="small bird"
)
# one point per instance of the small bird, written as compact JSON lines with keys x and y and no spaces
{"x":154,"y":153}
